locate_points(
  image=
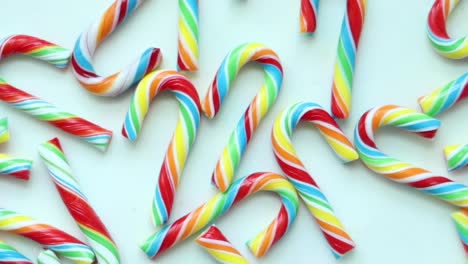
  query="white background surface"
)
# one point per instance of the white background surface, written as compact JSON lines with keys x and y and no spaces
{"x":389,"y":223}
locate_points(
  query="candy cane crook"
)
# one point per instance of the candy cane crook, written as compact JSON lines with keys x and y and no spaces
{"x":10,"y":255}
{"x":441,"y":100}
{"x":77,"y":204}
{"x":241,"y":136}
{"x":88,"y":42}
{"x":17,"y":167}
{"x":182,"y":140}
{"x":187,"y":56}
{"x":453,"y":48}
{"x":286,"y":156}
{"x":219,"y":204}
{"x":42,"y":110}
{"x":351,"y":30}
{"x":219,"y":247}
{"x":308,"y":15}
{"x":421,"y":179}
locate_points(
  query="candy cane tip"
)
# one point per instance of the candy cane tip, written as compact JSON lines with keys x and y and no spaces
{"x":56,"y":142}
{"x":22,"y":175}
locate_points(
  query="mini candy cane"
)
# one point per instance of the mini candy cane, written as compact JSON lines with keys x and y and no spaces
{"x":240,"y":137}
{"x":17,"y":167}
{"x":187,"y":57}
{"x":308,"y":15}
{"x":437,"y":31}
{"x":77,"y":204}
{"x":439,"y":101}
{"x":46,"y":235}
{"x":351,"y":29}
{"x":89,"y":40}
{"x":201,"y":217}
{"x":286,"y":156}
{"x":217,"y":245}
{"x":48,"y":257}
{"x":421,"y":179}
{"x":57,"y":56}
{"x":9,"y":255}
{"x":182,"y":140}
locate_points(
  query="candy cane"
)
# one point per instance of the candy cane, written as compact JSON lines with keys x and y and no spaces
{"x":351,"y":29}
{"x":454,"y":48}
{"x":48,"y":257}
{"x":421,"y":179}
{"x":286,"y":156}
{"x":9,"y":255}
{"x":77,"y":204}
{"x":182,"y":140}
{"x":187,"y":57}
{"x":241,"y":136}
{"x":88,"y":42}
{"x":308,"y":15}
{"x":201,"y":217}
{"x":42,"y":110}
{"x":439,"y":101}
{"x":219,"y":247}
{"x":17,"y":167}
{"x":46,"y":235}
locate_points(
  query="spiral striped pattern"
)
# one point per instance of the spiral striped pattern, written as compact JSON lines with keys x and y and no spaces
{"x":351,"y":29}
{"x":182,"y":140}
{"x":187,"y":57}
{"x":46,"y":235}
{"x":439,"y":101}
{"x":42,"y":110}
{"x":9,"y":255}
{"x":17,"y":167}
{"x":201,"y":217}
{"x":286,"y":156}
{"x":453,"y":48}
{"x":78,"y":205}
{"x":4,"y":131}
{"x":219,"y":247}
{"x":308,"y":15}
{"x":48,"y":257}
{"x":241,"y":136}
{"x":88,"y":42}
{"x":460,"y":219}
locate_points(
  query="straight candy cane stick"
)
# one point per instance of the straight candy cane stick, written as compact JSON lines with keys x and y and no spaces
{"x":286,"y":156}
{"x":201,"y":217}
{"x":308,"y":15}
{"x":248,"y":123}
{"x":77,"y":204}
{"x":88,"y":42}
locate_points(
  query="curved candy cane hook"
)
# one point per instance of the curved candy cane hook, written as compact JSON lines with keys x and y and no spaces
{"x":182,"y":140}
{"x":351,"y":29}
{"x":308,"y":15}
{"x":16,"y":167}
{"x":219,"y":247}
{"x":39,"y":109}
{"x":201,"y":217}
{"x":453,"y":48}
{"x":439,"y":101}
{"x":421,"y":179}
{"x":9,"y":254}
{"x":187,"y":56}
{"x":286,"y":156}
{"x":89,"y":40}
{"x":240,"y":137}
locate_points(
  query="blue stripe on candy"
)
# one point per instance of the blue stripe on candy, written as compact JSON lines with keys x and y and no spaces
{"x":348,"y":42}
{"x":309,"y":190}
{"x":160,"y":204}
{"x":194,"y":6}
{"x":143,"y":64}
{"x":80,"y":58}
{"x":445,"y":189}
{"x":190,"y":104}
{"x":129,"y":128}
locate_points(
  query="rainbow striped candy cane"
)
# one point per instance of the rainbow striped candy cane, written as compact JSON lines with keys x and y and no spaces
{"x":351,"y":29}
{"x":308,"y":15}
{"x":187,"y":56}
{"x":17,"y":167}
{"x":77,"y":204}
{"x":88,"y":42}
{"x":286,"y":156}
{"x":219,"y":204}
{"x":241,"y":136}
{"x":421,"y":179}
{"x":439,"y":101}
{"x":9,"y":255}
{"x":48,"y":257}
{"x":453,"y":48}
{"x":46,"y":235}
{"x":182,"y":140}
{"x":42,"y":110}
{"x":219,"y":247}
